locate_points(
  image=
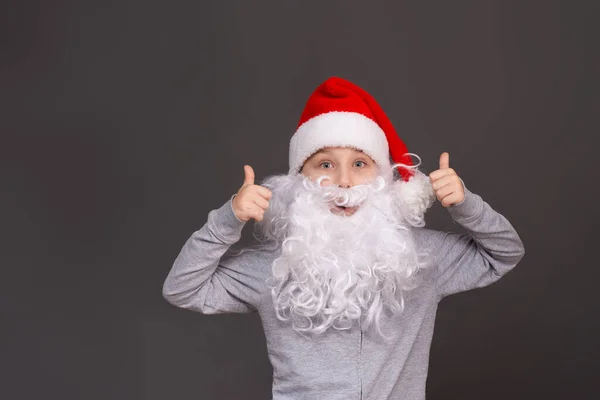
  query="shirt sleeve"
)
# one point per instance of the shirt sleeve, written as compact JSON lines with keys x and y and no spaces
{"x":489,"y":249}
{"x":202,"y":280}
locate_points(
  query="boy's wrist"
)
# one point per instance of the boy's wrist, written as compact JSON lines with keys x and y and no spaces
{"x":232,"y":210}
{"x":469,"y":208}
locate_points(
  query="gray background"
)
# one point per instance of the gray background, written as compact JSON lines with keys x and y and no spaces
{"x":124,"y":123}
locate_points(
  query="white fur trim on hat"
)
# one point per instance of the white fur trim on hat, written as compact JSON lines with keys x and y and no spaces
{"x":338,"y":128}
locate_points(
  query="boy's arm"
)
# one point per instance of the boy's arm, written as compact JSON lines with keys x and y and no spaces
{"x":198,"y":281}
{"x":490,"y":248}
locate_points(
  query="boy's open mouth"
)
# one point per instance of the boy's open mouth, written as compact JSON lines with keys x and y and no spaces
{"x":344,"y":211}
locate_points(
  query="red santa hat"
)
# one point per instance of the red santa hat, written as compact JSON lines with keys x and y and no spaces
{"x":340,"y":113}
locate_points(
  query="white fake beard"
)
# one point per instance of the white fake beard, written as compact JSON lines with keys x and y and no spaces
{"x":334,"y":269}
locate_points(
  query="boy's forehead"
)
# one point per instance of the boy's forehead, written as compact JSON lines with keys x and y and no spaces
{"x":330,"y":150}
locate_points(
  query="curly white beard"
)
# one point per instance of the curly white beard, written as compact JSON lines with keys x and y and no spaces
{"x":334,"y":269}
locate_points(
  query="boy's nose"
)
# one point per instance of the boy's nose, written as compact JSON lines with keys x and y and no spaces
{"x":344,"y":179}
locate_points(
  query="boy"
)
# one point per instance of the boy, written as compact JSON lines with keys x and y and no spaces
{"x":346,"y":279}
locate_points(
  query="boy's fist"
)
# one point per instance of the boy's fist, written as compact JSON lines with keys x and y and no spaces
{"x":446,"y":183}
{"x":251,"y":201}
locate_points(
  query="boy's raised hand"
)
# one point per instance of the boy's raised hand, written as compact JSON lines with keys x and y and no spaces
{"x":446,"y":183}
{"x":251,"y":201}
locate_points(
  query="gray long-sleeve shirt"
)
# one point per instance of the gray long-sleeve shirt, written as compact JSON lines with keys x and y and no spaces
{"x":355,"y":363}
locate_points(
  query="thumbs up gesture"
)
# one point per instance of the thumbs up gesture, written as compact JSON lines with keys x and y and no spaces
{"x":251,"y":201}
{"x":446,"y":183}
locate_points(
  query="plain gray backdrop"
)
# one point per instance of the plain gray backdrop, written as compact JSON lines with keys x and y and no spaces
{"x":125,"y":122}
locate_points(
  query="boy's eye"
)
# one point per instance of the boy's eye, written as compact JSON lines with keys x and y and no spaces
{"x":359,"y":162}
{"x":325,"y":164}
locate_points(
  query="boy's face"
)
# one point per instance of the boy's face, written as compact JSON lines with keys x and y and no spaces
{"x":345,"y":167}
